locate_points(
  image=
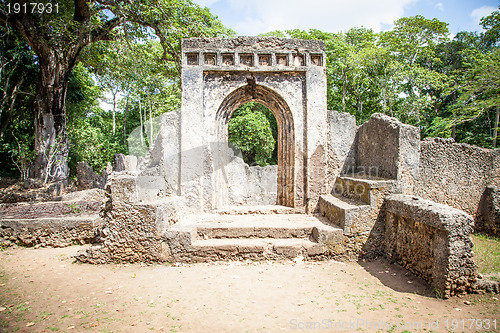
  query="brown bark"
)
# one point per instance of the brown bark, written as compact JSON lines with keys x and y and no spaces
{"x":50,"y":121}
{"x":57,"y":55}
{"x":495,"y":127}
{"x":124,"y":129}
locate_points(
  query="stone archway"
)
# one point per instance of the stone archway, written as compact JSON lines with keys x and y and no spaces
{"x":286,"y":134}
{"x":288,"y":76}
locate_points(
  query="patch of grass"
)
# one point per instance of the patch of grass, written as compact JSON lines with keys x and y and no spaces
{"x":487,"y":253}
{"x":74,"y":207}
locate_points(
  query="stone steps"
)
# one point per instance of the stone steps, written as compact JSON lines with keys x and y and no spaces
{"x":342,"y":212}
{"x":255,"y":249}
{"x":209,"y":237}
{"x":361,"y":187}
{"x":355,"y":202}
{"x":261,"y":210}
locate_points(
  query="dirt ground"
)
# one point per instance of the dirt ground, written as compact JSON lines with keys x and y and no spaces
{"x":44,"y":290}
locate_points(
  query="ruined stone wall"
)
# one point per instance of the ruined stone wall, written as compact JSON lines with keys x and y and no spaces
{"x":341,"y":146}
{"x":455,"y":174}
{"x":378,"y":146}
{"x":488,"y":219}
{"x":390,"y":149}
{"x":288,"y":76}
{"x":253,"y":185}
{"x":432,"y":240}
{"x":49,"y":232}
{"x":132,"y":231}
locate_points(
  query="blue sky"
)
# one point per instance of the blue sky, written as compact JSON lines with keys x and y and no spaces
{"x":252,"y":17}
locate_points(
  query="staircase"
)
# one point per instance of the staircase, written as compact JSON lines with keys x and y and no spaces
{"x":278,"y":232}
{"x":355,"y":202}
{"x":255,"y":233}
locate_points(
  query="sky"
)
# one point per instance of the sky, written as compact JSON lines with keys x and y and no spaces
{"x":253,"y":17}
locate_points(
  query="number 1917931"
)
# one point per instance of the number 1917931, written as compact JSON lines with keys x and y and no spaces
{"x":33,"y":8}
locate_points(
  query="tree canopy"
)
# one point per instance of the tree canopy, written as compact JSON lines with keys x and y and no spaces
{"x":58,"y":32}
{"x":58,"y":68}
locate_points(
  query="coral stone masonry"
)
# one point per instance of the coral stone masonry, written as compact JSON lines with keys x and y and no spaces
{"x":338,"y":191}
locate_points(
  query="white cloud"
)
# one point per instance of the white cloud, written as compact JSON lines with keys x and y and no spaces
{"x":481,"y":12}
{"x":440,"y":6}
{"x":260,"y":16}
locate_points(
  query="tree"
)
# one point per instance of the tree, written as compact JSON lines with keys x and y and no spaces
{"x":17,"y":70}
{"x":491,"y":23}
{"x":482,"y":90}
{"x":253,"y":129}
{"x":413,"y":43}
{"x":57,"y":33}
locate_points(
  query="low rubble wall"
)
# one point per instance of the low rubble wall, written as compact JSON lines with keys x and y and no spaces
{"x":431,"y":240}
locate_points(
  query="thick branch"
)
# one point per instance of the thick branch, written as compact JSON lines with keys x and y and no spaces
{"x":102,"y":32}
{"x":3,"y":16}
{"x":25,"y":24}
{"x":82,"y":11}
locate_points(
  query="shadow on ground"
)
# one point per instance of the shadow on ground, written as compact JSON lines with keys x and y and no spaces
{"x":396,"y":277}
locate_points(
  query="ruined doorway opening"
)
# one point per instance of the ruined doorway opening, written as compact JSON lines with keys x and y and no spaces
{"x":285,"y":128}
{"x":253,"y":130}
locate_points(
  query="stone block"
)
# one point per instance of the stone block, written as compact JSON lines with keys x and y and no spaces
{"x":87,"y":178}
{"x":433,"y":241}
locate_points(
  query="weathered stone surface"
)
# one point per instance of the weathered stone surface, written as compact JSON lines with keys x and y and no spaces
{"x":432,"y":240}
{"x":94,"y":194}
{"x":390,"y":149}
{"x":288,"y":76}
{"x":159,"y":174}
{"x":123,"y":162}
{"x":488,"y":219}
{"x":250,"y":185}
{"x":246,"y":43}
{"x":132,"y":232}
{"x":342,"y":145}
{"x":52,"y":232}
{"x":456,"y":174}
{"x":122,"y":187}
{"x":87,"y":178}
{"x":210,"y":237}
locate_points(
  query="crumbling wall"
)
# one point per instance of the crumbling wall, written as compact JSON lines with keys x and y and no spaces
{"x":132,"y":231}
{"x":390,"y":149}
{"x":250,"y":185}
{"x":431,"y":240}
{"x":49,"y":232}
{"x":87,"y":178}
{"x":341,"y":146}
{"x":488,"y":219}
{"x":455,"y":174}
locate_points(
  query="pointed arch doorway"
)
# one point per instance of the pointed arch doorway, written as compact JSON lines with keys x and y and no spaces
{"x":286,"y":134}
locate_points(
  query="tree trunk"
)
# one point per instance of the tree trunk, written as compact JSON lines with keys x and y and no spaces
{"x":57,"y":51}
{"x":151,"y":124}
{"x":114,"y":92}
{"x":125,"y":123}
{"x":142,"y":127}
{"x":495,"y":127}
{"x":344,"y":88}
{"x":454,"y":126}
{"x":51,"y":139}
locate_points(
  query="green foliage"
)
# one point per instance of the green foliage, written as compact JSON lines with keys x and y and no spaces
{"x":17,"y":73}
{"x":491,"y":23}
{"x":417,"y":74}
{"x":414,"y":72}
{"x":253,"y":129}
{"x":487,"y":254}
{"x":89,"y":127}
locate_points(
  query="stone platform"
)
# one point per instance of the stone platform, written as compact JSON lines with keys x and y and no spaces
{"x":54,"y":224}
{"x":256,"y":233}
